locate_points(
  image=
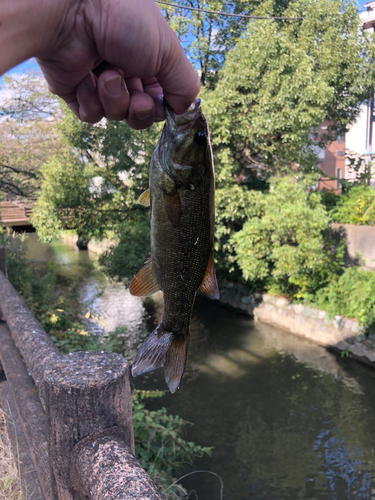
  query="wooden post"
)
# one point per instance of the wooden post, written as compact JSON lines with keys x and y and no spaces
{"x":3,"y":263}
{"x":108,"y":470}
{"x":36,"y":347}
{"x":21,"y":453}
{"x":86,"y":393}
{"x":29,"y":409}
{"x":3,"y":269}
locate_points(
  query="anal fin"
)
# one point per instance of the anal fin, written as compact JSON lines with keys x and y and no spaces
{"x":209,"y":286}
{"x":144,"y":282}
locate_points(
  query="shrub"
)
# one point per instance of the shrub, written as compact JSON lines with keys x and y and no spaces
{"x":127,"y":258}
{"x":288,"y":245}
{"x":351,"y":295}
{"x":356,"y":207}
{"x":159,"y":446}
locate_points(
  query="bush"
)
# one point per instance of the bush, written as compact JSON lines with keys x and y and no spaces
{"x":351,"y":295}
{"x":287,"y":246}
{"x":356,"y":207}
{"x":159,"y":446}
{"x":127,"y":258}
{"x":235,"y":204}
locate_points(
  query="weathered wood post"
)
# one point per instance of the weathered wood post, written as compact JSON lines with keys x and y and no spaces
{"x":3,"y":264}
{"x":86,"y":393}
{"x":23,"y":396}
{"x":108,"y":471}
{"x":3,"y":269}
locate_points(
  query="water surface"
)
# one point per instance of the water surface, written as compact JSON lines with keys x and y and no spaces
{"x":287,"y":419}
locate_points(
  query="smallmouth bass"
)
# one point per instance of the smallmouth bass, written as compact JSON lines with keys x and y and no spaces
{"x":181,"y":199}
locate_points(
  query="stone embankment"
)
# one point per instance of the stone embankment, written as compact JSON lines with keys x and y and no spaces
{"x":341,"y":334}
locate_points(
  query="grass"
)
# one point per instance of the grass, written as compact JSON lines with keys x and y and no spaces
{"x":10,"y":484}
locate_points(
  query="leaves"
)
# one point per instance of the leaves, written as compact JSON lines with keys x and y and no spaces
{"x":286,"y":245}
{"x":351,"y":295}
{"x":158,"y":443}
{"x":28,"y":118}
{"x":282,"y":79}
{"x":357,"y":206}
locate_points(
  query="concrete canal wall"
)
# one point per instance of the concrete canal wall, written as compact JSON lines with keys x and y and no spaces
{"x":341,"y":334}
{"x":358,"y":239}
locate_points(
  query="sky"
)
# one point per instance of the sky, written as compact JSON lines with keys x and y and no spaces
{"x":29,"y":65}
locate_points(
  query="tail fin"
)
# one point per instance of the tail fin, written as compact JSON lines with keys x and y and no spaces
{"x":163,"y":349}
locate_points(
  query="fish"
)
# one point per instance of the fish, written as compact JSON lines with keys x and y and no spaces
{"x":181,"y":197}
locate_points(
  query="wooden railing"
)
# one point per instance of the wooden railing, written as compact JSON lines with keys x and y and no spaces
{"x":15,"y":213}
{"x":69,"y":417}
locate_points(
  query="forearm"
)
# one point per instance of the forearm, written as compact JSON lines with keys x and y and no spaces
{"x":25,"y":28}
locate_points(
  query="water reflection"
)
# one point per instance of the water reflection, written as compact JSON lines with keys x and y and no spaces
{"x":287,"y":419}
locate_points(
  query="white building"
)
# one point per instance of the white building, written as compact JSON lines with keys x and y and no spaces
{"x":360,"y":137}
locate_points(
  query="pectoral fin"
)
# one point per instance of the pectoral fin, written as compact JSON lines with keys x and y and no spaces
{"x":144,"y":199}
{"x":209,"y":286}
{"x":144,"y":282}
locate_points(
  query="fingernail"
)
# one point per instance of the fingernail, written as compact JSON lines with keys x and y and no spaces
{"x":113,"y":86}
{"x":142,"y":114}
{"x":90,"y":81}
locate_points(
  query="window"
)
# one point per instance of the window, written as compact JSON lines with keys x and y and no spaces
{"x":339,"y":152}
{"x":313,"y":136}
{"x":338,"y":177}
{"x":339,"y":138}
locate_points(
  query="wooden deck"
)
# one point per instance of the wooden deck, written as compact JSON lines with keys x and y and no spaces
{"x":15,"y":213}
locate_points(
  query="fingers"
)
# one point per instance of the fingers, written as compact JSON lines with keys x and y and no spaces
{"x":109,"y":95}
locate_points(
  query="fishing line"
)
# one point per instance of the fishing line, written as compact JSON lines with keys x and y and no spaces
{"x":199,"y":472}
{"x":225,"y":13}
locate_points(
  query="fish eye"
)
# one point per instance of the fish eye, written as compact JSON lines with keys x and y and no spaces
{"x":200,"y":138}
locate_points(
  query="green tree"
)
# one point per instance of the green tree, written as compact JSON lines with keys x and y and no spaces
{"x":357,"y":206}
{"x":282,"y":79}
{"x":207,"y":37}
{"x":28,"y":118}
{"x":93,"y":189}
{"x":287,"y":246}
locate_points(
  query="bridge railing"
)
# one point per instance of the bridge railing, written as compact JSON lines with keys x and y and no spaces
{"x":71,"y":415}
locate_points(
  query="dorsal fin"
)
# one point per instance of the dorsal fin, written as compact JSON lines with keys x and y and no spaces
{"x":209,"y":286}
{"x":144,"y":199}
{"x":144,"y":282}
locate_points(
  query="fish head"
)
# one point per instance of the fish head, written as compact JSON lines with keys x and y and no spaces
{"x":184,"y":148}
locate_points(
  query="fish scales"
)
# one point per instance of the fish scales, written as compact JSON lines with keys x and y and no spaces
{"x":181,"y":198}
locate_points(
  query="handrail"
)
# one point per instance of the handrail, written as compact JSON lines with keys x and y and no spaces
{"x":87,"y":417}
{"x":35,"y":345}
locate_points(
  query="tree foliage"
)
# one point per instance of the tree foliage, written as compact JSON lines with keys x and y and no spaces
{"x":95,"y":187}
{"x":287,"y":246}
{"x":28,"y":135}
{"x":207,"y":37}
{"x":357,"y":206}
{"x":282,"y":79}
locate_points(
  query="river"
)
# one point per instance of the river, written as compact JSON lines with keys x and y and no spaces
{"x":287,"y":418}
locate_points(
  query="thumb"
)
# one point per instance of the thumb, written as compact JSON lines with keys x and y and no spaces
{"x":177,"y":76}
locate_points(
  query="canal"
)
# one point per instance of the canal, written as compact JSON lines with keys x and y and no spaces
{"x":286,"y":418}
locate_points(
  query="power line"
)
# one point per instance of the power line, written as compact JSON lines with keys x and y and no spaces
{"x":225,"y":13}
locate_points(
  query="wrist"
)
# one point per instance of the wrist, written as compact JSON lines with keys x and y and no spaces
{"x":28,"y":28}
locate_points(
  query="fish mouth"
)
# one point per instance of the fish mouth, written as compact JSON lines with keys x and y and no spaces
{"x":176,"y":121}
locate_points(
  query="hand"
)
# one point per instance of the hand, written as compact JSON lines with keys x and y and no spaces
{"x":112,"y":58}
